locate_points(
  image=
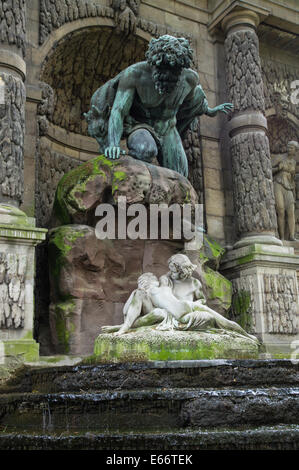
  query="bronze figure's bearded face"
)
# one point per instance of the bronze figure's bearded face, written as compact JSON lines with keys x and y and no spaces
{"x":168,"y":56}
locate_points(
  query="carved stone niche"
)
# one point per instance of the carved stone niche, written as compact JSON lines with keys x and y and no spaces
{"x":280,"y":132}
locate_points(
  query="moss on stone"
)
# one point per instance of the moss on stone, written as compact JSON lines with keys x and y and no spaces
{"x":63,"y":324}
{"x":25,"y":350}
{"x":150,"y":344}
{"x":218,"y":287}
{"x":211,"y":252}
{"x":118,"y":176}
{"x":61,"y":242}
{"x":241,"y":309}
{"x":74,"y":183}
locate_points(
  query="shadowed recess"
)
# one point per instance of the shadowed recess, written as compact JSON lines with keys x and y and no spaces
{"x":81,"y":63}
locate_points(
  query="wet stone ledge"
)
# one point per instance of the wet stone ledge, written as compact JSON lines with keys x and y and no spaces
{"x":140,"y":375}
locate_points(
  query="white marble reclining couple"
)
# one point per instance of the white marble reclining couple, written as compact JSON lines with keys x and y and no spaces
{"x":175,"y":301}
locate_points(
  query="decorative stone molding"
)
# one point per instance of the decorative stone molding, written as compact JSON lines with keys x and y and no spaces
{"x":191,"y":144}
{"x":18,"y":238}
{"x":13,"y":268}
{"x":9,"y":61}
{"x":56,"y":13}
{"x":126,"y":13}
{"x":277,"y":79}
{"x":265,"y":276}
{"x":281,"y":302}
{"x":45,"y":108}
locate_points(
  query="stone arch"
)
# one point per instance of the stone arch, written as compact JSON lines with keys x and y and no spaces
{"x":82,"y":61}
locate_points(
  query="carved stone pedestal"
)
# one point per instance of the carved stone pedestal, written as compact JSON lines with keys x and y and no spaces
{"x":266,"y":294}
{"x":18,"y":238}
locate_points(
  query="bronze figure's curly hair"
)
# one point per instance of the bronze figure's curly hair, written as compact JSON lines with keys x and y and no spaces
{"x":169,"y":51}
{"x":168,"y":56}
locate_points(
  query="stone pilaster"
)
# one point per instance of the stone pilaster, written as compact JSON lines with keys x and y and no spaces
{"x":251,"y":162}
{"x":18,"y":234}
{"x":12,"y":100}
{"x":18,"y":238}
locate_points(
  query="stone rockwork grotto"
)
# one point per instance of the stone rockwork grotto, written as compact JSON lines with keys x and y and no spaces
{"x":89,"y":275}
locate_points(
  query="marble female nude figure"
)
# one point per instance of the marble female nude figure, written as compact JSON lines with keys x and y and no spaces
{"x":176,"y":301}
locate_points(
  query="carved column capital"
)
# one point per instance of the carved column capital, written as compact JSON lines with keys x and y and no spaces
{"x":239,"y":19}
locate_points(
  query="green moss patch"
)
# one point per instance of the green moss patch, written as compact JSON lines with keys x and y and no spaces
{"x":150,"y":344}
{"x":241,"y":309}
{"x":61,"y":242}
{"x":64,"y":325}
{"x":218,"y":287}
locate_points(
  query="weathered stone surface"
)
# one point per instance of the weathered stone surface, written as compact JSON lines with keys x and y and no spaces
{"x":253,"y":185}
{"x":91,"y":279}
{"x":45,"y":108}
{"x":91,"y":376}
{"x":252,"y":178}
{"x":244,"y":78}
{"x":54,"y":14}
{"x":13,"y":23}
{"x":277,"y":78}
{"x":150,"y":344}
{"x":58,"y":12}
{"x":126,"y":13}
{"x":281,"y":131}
{"x":191,"y":144}
{"x":281,"y":307}
{"x":51,"y":167}
{"x":12,"y":130}
{"x":13,"y":268}
{"x":101,"y":180}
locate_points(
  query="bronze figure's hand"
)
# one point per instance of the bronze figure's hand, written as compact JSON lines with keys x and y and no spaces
{"x":225,"y":107}
{"x":114,"y":153}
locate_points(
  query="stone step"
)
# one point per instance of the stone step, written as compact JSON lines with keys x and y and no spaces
{"x":157,"y":374}
{"x":281,"y":437}
{"x":149,"y":410}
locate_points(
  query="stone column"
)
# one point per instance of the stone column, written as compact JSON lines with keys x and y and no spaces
{"x":251,"y":162}
{"x":18,"y":235}
{"x":12,"y":101}
{"x":262,"y":271}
